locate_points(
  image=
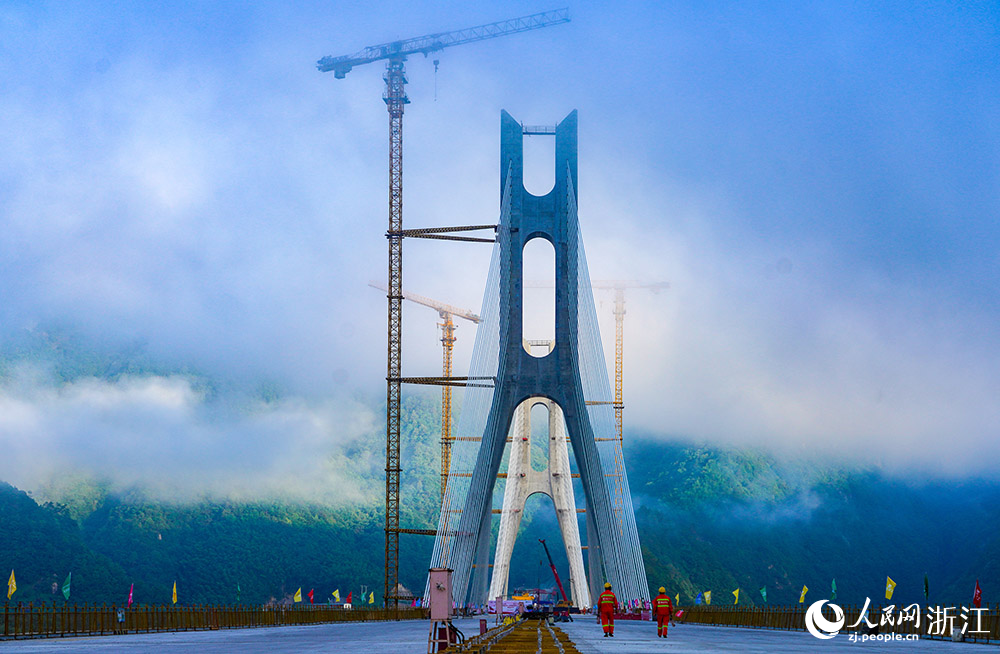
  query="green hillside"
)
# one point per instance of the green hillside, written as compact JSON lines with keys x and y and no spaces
{"x":43,"y":544}
{"x":733,"y":523}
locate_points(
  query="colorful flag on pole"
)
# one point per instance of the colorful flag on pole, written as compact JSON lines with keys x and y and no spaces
{"x":173,"y":597}
{"x":12,"y":585}
{"x":677,"y":600}
{"x":371,"y":598}
{"x":890,"y":586}
{"x":66,"y":586}
{"x":238,"y":592}
{"x":833,"y":589}
{"x":349,"y":595}
{"x":298,"y":595}
{"x":927,"y":588}
{"x":736,"y":594}
{"x":130,"y":589}
{"x":336,"y":595}
{"x":802,"y":597}
{"x":708,"y":597}
{"x":698,"y":600}
{"x":977,"y":595}
{"x":310,"y":595}
{"x":763,"y":593}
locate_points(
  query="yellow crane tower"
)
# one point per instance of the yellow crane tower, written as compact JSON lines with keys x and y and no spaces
{"x":619,"y":287}
{"x":447,"y":325}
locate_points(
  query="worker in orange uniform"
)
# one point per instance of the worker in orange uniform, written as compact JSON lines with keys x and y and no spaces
{"x":664,"y":610}
{"x":607,"y":604}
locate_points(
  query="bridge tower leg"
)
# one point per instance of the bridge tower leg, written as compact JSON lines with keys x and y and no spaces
{"x":556,"y":482}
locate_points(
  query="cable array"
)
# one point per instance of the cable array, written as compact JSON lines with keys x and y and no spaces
{"x":629,"y":576}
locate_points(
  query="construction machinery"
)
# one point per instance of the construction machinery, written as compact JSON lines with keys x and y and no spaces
{"x":395,"y":53}
{"x":447,"y":325}
{"x":554,"y":573}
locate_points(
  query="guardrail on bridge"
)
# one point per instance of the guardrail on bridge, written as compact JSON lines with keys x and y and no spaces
{"x":54,"y":620}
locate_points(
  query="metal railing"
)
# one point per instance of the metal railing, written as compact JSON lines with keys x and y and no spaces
{"x":53,"y":620}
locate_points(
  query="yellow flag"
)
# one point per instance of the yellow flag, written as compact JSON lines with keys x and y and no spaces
{"x":298,"y":596}
{"x":736,"y":594}
{"x":890,"y":586}
{"x":371,"y":598}
{"x":173,"y":598}
{"x":677,"y":600}
{"x":802,"y":597}
{"x":708,"y":597}
{"x":336,"y":595}
{"x":11,"y":585}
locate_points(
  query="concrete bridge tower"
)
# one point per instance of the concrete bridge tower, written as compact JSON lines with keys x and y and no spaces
{"x":571,"y":378}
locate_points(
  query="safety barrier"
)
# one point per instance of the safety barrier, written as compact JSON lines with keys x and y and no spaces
{"x":793,"y":618}
{"x":54,"y":620}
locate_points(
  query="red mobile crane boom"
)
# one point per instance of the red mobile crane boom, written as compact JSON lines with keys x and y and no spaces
{"x":554,"y":573}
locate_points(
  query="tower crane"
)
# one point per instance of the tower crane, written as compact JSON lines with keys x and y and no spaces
{"x":447,"y":325}
{"x":395,"y":54}
{"x":619,"y":287}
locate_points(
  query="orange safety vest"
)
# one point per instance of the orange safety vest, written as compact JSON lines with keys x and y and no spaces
{"x":607,"y":602}
{"x":662,"y":605}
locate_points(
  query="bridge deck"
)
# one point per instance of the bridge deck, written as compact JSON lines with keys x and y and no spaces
{"x":410,"y":637}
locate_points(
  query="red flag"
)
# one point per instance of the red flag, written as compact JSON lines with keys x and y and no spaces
{"x":413,"y":603}
{"x":349,"y":597}
{"x":130,"y":588}
{"x":310,"y":595}
{"x":977,"y":597}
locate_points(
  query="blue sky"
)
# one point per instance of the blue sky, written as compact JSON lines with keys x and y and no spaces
{"x":818,"y":182}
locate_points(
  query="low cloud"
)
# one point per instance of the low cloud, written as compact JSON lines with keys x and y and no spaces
{"x":786,"y":346}
{"x":164,"y":435}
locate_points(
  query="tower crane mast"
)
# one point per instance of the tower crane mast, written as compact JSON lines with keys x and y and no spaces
{"x":447,"y":325}
{"x":395,"y":54}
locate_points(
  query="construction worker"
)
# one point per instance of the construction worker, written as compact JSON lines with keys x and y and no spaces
{"x":664,"y":610}
{"x":607,"y":604}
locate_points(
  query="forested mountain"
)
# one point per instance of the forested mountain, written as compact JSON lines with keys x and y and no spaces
{"x":42,"y":544}
{"x":709,"y":518}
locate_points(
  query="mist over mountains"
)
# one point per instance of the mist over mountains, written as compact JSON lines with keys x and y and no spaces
{"x":216,"y":484}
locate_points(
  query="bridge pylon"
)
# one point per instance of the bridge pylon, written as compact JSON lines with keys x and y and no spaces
{"x":571,"y":376}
